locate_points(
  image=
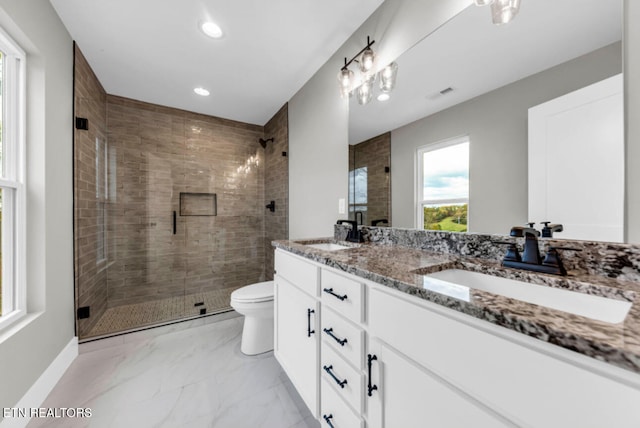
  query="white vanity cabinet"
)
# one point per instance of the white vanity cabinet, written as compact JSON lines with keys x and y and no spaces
{"x":408,"y":395}
{"x":296,"y":329}
{"x":381,"y":358}
{"x":498,"y":376}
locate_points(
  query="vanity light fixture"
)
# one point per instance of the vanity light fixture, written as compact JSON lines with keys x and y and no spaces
{"x":366,"y":62}
{"x":383,"y":96}
{"x":502,"y":11}
{"x":211,"y":29}
{"x":365,"y":58}
{"x":201,"y":91}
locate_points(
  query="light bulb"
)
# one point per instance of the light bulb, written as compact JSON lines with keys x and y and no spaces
{"x":201,"y":91}
{"x":345,"y":79}
{"x":503,"y":11}
{"x":388,"y":77}
{"x":365,"y":92}
{"x":366,"y":60}
{"x":212,"y":30}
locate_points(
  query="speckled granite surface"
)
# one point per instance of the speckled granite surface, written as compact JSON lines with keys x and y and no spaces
{"x":621,"y":261}
{"x":402,"y":267}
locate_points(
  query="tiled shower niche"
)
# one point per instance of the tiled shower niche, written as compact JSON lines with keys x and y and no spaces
{"x":170,"y":211}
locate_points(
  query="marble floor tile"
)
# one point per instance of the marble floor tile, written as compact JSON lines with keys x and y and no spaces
{"x":194,"y":377}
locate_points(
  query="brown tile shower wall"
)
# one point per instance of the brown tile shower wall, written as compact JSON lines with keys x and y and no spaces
{"x":276,"y":183}
{"x":160,"y":153}
{"x":375,"y":154}
{"x":90,"y":276}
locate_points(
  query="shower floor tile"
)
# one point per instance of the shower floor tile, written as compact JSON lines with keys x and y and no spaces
{"x":195,"y":377}
{"x":128,"y":317}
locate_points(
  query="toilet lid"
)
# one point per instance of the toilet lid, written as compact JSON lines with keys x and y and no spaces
{"x":259,"y":292}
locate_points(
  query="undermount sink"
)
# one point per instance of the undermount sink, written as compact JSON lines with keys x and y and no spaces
{"x":328,"y":246}
{"x":458,"y":283}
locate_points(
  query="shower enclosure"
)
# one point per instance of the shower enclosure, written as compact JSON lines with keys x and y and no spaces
{"x":169,"y":211}
{"x":370,"y":181}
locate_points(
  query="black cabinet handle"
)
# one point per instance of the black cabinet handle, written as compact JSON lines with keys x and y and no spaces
{"x":328,"y":369}
{"x":327,"y":419}
{"x":175,"y":219}
{"x":337,"y":296}
{"x":329,"y":331}
{"x":309,"y":331}
{"x":370,"y":388}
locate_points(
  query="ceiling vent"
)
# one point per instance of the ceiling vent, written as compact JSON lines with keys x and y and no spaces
{"x":436,"y":95}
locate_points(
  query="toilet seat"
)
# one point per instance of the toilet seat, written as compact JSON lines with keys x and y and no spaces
{"x":254,"y":293}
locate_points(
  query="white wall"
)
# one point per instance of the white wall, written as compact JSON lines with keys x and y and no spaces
{"x":496,"y":123}
{"x":28,"y":348}
{"x":318,"y":118}
{"x":631,"y":43}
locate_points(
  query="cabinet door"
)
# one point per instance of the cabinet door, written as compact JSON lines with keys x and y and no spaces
{"x":408,"y":395}
{"x":296,"y":339}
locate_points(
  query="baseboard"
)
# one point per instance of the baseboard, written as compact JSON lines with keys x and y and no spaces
{"x":39,"y":391}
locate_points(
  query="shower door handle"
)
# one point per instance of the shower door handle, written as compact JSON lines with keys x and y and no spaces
{"x":175,"y":219}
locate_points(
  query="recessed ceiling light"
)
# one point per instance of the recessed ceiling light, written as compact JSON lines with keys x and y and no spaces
{"x":383,"y":97}
{"x":201,"y":91}
{"x":212,"y":29}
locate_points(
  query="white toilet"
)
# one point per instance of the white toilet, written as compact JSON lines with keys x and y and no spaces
{"x":255,"y":302}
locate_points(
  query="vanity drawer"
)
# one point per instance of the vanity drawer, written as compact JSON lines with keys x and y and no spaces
{"x":342,"y":294}
{"x":333,"y":408}
{"x":337,"y":372}
{"x":297,"y":271}
{"x":343,"y":336}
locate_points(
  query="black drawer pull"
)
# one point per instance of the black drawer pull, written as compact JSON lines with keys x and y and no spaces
{"x":327,"y":419}
{"x":329,"y":331}
{"x":309,"y":331}
{"x":370,"y":388}
{"x":337,"y":296}
{"x":328,"y":369}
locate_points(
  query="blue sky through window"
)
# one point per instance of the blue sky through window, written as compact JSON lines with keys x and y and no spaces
{"x":446,"y":173}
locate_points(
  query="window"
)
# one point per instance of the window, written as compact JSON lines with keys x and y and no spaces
{"x":443,"y":185}
{"x":358,"y":188}
{"x":12,"y":193}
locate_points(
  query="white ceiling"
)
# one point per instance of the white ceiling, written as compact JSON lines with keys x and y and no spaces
{"x":154,"y":51}
{"x":473,"y":56}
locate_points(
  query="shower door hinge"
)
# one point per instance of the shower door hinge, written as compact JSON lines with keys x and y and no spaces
{"x":84,"y":312}
{"x":82,"y":123}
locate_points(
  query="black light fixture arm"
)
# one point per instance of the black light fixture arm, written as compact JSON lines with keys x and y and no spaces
{"x":348,"y":63}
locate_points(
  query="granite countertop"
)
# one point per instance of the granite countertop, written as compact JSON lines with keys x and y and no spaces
{"x":403,"y":268}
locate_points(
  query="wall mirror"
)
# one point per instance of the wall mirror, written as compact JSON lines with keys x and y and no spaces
{"x":471,"y":78}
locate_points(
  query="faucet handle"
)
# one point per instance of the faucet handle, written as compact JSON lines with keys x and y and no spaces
{"x":531,"y":224}
{"x":549,"y":229}
{"x":512,"y":251}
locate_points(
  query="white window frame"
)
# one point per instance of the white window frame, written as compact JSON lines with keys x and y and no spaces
{"x":419,"y":179}
{"x":12,"y":182}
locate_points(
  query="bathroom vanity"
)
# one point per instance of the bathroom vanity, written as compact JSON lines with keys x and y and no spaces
{"x":371,"y":338}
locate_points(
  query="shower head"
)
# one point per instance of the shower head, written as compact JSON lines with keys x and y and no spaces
{"x":264,"y":142}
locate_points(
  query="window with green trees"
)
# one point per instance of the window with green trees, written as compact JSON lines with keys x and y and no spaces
{"x":443,"y":185}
